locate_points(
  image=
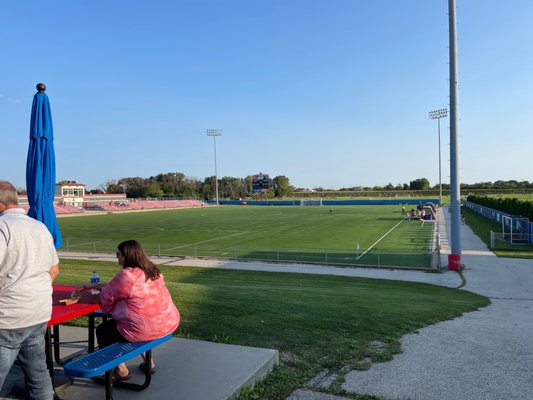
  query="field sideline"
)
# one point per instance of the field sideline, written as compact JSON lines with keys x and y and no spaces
{"x":227,"y":230}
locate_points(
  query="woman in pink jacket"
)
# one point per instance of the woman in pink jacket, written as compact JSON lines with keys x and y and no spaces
{"x":138,"y":301}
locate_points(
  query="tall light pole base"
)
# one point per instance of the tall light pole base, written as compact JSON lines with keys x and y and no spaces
{"x":454,"y":262}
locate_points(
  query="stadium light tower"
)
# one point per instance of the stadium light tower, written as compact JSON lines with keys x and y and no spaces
{"x":215,"y":133}
{"x":438,"y":114}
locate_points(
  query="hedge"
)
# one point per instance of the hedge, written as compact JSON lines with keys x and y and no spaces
{"x":511,"y":206}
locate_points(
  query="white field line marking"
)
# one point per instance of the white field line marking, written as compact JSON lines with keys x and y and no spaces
{"x":83,"y":244}
{"x":379,"y":240}
{"x":208,"y":240}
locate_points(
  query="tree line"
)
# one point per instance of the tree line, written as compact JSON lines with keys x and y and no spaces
{"x":423,"y":184}
{"x":178,"y":185}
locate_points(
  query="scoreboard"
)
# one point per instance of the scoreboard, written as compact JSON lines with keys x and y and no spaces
{"x":261,"y":183}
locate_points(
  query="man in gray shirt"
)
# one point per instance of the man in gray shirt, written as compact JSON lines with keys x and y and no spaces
{"x":28,"y":266}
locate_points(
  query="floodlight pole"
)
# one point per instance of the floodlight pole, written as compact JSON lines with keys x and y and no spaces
{"x":215,"y":133}
{"x":438,"y":114}
{"x":455,"y":190}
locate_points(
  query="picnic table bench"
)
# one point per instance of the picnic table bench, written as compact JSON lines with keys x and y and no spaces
{"x":103,"y":361}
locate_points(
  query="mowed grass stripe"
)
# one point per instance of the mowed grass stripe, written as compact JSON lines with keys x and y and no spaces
{"x":414,"y":235}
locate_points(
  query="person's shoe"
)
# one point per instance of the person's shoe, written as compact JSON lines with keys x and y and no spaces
{"x":118,"y":377}
{"x":142,"y":367}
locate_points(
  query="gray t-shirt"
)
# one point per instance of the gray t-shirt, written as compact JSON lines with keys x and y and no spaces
{"x":27,"y":253}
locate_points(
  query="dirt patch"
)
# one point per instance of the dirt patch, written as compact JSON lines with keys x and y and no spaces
{"x":287,"y":356}
{"x":377,"y":347}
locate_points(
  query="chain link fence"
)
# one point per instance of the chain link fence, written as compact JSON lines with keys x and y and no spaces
{"x":511,"y":241}
{"x":423,"y":259}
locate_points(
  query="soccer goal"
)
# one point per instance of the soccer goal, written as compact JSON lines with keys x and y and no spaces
{"x":515,"y":229}
{"x":311,"y":202}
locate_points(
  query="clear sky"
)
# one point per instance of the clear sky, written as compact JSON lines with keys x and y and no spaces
{"x":330,"y":93}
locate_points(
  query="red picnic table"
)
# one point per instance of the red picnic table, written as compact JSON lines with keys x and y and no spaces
{"x":86,"y":305}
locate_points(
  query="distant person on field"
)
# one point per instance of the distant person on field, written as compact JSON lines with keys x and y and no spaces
{"x":139,"y":302}
{"x":28,"y":265}
{"x":462,"y":219}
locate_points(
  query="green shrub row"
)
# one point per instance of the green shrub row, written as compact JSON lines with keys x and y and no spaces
{"x":511,"y":206}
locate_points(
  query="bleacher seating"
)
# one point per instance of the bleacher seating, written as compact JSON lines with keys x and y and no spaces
{"x":148,"y":205}
{"x":126,"y":205}
{"x":66,"y":209}
{"x":59,"y":209}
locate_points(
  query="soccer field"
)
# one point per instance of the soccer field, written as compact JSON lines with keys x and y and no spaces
{"x":371,"y":235}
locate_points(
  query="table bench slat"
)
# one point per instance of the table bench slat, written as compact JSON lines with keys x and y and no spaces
{"x":102,"y":360}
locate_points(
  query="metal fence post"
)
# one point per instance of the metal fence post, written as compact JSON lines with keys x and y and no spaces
{"x":67,"y":246}
{"x":195,"y":253}
{"x":159,"y":250}
{"x":94,"y":247}
{"x":326,"y":250}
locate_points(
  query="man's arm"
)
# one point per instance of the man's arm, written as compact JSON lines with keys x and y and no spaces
{"x":54,"y":271}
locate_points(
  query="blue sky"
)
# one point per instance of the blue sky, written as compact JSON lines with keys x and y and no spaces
{"x":329,"y":93}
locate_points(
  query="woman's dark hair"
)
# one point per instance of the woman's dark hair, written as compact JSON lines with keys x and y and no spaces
{"x":135,"y":257}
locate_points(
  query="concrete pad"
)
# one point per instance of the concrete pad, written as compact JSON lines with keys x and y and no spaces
{"x":185,"y":369}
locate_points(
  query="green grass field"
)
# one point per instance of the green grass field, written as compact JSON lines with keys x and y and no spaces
{"x":305,"y":234}
{"x":519,"y":196}
{"x":316,"y":322}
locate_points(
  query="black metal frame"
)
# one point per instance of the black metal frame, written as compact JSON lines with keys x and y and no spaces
{"x":110,"y":383}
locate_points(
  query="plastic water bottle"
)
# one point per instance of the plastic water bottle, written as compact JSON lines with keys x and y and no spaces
{"x":95,"y":278}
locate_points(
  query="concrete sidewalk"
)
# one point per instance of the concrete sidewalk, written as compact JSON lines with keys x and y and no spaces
{"x":449,"y":279}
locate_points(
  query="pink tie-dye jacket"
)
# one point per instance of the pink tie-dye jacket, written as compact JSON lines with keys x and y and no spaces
{"x":142,"y":308}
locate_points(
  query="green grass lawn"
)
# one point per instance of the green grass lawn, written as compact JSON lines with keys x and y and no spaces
{"x":315,"y":321}
{"x":309,"y":234}
{"x":483,"y":226}
{"x":519,"y":196}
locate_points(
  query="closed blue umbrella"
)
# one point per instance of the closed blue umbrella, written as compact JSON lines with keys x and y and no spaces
{"x":41,"y":165}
